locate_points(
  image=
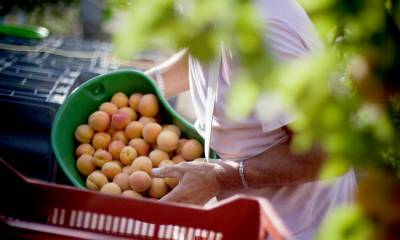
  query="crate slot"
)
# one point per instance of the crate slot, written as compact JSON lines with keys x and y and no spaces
{"x":93,"y":223}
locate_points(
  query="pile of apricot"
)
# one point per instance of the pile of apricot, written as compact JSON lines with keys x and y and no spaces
{"x":124,"y":140}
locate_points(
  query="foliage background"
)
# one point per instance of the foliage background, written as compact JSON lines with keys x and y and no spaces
{"x":345,"y":99}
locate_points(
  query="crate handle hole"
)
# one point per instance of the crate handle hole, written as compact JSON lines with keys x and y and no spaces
{"x":98,"y":91}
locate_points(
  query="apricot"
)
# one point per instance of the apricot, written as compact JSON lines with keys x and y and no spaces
{"x":85,"y":164}
{"x":167,"y":141}
{"x":150,"y":132}
{"x":131,"y":113}
{"x":191,"y":150}
{"x":120,"y":99}
{"x":157,"y":156}
{"x":131,"y":194}
{"x":165,"y":162}
{"x":134,"y":100}
{"x":142,"y":163}
{"x":120,"y":135}
{"x":111,"y":188}
{"x":140,"y":181}
{"x":148,"y":105}
{"x":108,"y":107}
{"x":110,"y":169}
{"x":101,"y":157}
{"x":122,"y":180}
{"x":84,"y":148}
{"x":96,"y":180}
{"x":127,"y":170}
{"x":120,"y":119}
{"x":158,"y":188}
{"x":115,"y":148}
{"x":134,"y":130}
{"x":172,"y":128}
{"x":99,"y":121}
{"x":182,"y":141}
{"x":127,"y":155}
{"x":119,"y":163}
{"x":177,"y":159}
{"x":171,"y":182}
{"x":141,"y":146}
{"x":111,"y":131}
{"x":145,"y":120}
{"x":84,"y":133}
{"x":101,"y":140}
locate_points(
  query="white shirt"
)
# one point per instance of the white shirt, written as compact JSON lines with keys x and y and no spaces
{"x":290,"y":34}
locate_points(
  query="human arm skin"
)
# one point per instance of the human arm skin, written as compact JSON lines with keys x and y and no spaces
{"x":175,"y":74}
{"x":275,"y":167}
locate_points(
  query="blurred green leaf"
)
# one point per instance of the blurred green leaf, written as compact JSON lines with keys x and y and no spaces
{"x":345,"y":223}
{"x":242,"y":97}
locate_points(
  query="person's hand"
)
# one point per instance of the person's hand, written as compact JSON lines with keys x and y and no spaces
{"x":198,"y":181}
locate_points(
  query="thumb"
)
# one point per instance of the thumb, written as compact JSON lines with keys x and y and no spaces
{"x":173,"y":171}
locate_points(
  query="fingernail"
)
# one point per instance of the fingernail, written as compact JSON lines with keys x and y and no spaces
{"x":155,"y":171}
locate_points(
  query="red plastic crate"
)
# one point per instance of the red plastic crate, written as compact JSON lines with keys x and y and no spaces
{"x":37,"y":210}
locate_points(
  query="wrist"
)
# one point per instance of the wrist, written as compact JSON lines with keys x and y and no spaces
{"x":227,"y":174}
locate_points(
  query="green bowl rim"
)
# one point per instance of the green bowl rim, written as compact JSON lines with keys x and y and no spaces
{"x":61,"y":109}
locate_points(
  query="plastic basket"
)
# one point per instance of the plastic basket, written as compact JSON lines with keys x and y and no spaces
{"x":37,"y":210}
{"x":87,"y":98}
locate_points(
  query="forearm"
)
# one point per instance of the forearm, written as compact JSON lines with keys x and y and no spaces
{"x":175,"y":74}
{"x":277,"y":166}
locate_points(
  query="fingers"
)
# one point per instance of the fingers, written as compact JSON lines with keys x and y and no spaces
{"x":169,"y":171}
{"x":180,"y":195}
{"x":174,"y":196}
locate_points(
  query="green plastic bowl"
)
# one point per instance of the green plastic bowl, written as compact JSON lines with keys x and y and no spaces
{"x":87,"y":98}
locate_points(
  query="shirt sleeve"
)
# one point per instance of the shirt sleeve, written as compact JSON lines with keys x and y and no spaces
{"x":284,"y":44}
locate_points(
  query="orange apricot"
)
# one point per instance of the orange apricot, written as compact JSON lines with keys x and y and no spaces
{"x":182,"y":141}
{"x":157,"y":156}
{"x":145,"y":120}
{"x":96,"y":180}
{"x":84,"y":148}
{"x":167,"y":141}
{"x":172,"y":128}
{"x":134,"y":130}
{"x":101,"y":157}
{"x":142,"y":163}
{"x":110,"y":169}
{"x":120,"y":119}
{"x":148,"y":105}
{"x":150,"y":132}
{"x":99,"y":121}
{"x":111,"y":188}
{"x":132,"y":114}
{"x":115,"y":148}
{"x":84,"y":133}
{"x":85,"y":164}
{"x":108,"y":107}
{"x":191,"y":150}
{"x":158,"y":188}
{"x":122,"y":180}
{"x":120,"y":99}
{"x":141,"y":146}
{"x":101,"y":140}
{"x":127,"y":155}
{"x":177,"y":159}
{"x":140,"y":181}
{"x":120,"y":135}
{"x":134,"y":100}
{"x":131,"y":194}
